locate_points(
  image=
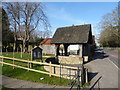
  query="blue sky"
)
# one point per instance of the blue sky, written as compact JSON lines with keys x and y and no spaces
{"x":61,"y":14}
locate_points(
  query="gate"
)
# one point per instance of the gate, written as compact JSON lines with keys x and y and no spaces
{"x":77,"y":79}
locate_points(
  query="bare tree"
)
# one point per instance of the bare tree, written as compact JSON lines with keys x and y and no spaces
{"x":13,"y":11}
{"x":27,"y":15}
{"x":45,"y":34}
{"x":109,"y":20}
{"x":109,"y":29}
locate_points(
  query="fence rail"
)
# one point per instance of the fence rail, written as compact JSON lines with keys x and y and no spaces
{"x":40,"y":63}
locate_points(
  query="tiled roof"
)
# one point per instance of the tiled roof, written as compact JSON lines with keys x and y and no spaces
{"x":73,"y":34}
{"x":46,"y":41}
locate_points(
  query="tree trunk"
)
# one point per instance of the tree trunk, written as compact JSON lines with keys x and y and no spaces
{"x":27,"y":46}
{"x":24,"y":48}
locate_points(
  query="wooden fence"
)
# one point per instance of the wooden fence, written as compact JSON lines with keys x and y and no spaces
{"x":50,"y":73}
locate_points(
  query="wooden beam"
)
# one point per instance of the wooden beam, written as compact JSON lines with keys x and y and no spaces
{"x":80,"y":50}
{"x":57,"y":50}
{"x":66,"y":48}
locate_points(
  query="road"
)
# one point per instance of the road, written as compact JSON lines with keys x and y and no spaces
{"x":114,"y":56}
{"x":102,"y":73}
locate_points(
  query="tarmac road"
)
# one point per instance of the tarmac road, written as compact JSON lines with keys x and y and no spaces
{"x":114,"y":56}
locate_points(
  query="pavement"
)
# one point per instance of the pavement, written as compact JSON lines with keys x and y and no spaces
{"x":17,"y":83}
{"x":102,"y":72}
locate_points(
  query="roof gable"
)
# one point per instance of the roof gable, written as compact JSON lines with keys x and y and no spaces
{"x":36,"y":48}
{"x":73,"y":34}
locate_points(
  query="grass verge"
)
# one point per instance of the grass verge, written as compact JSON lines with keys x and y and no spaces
{"x":29,"y":75}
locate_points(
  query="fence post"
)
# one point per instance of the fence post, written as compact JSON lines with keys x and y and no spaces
{"x":82,"y":75}
{"x":13,"y":63}
{"x":86,"y":75}
{"x":28,"y":65}
{"x":50,"y":70}
{"x":54,"y":70}
{"x":78,"y":76}
{"x":31,"y":64}
{"x":70,"y":73}
{"x":21,"y":51}
{"x":13,"y":59}
{"x":2,"y":61}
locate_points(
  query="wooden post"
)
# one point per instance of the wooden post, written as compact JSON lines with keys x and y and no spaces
{"x":2,"y":61}
{"x":13,"y":63}
{"x":54,"y":70}
{"x":78,"y":78}
{"x":21,"y":52}
{"x":80,"y":50}
{"x":65,"y":49}
{"x":28,"y":65}
{"x":50,"y":69}
{"x":86,"y":75}
{"x":57,"y":50}
{"x":13,"y":59}
{"x":31,"y":59}
{"x":82,"y":75}
{"x":70,"y":73}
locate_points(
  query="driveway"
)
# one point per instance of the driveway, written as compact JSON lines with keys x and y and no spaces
{"x":102,"y":73}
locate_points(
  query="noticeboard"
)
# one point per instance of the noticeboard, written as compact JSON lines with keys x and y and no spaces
{"x":37,"y":53}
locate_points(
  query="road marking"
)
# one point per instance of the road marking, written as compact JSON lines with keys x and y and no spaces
{"x":113,"y":63}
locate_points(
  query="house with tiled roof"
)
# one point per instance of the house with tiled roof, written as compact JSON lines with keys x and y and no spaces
{"x":47,"y":42}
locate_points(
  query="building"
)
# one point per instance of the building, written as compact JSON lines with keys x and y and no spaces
{"x":47,"y":47}
{"x":74,"y":35}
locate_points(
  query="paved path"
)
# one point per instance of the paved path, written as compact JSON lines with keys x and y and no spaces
{"x":101,"y":69}
{"x":16,"y":83}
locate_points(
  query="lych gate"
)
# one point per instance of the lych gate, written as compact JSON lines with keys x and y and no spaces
{"x":73,"y":35}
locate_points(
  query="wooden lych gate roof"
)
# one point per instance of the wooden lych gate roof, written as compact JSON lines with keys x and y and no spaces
{"x":73,"y":35}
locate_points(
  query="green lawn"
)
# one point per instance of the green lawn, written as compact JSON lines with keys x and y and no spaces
{"x":26,"y":56}
{"x":29,"y":75}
